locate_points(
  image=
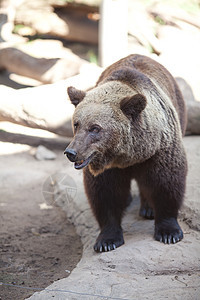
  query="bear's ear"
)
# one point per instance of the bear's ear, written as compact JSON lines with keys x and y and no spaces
{"x":76,"y":96}
{"x":133,"y":106}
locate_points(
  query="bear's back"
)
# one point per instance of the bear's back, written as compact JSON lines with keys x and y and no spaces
{"x":159,"y":76}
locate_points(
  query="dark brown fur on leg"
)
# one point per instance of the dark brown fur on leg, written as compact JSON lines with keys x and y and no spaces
{"x":108,"y":195}
{"x":163,"y":185}
{"x":146,"y":211}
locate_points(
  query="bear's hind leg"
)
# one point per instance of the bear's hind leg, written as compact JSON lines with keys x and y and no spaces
{"x":108,"y":194}
{"x":146,"y":211}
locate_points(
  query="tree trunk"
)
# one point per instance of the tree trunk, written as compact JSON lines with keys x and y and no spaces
{"x":41,"y":69}
{"x":113,"y":31}
{"x":48,"y":106}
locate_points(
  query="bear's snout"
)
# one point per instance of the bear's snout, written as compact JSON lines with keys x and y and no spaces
{"x":71,"y":154}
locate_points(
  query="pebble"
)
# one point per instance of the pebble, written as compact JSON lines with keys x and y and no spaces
{"x":42,"y":153}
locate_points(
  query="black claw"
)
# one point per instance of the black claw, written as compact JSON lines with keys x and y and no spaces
{"x":109,"y":240}
{"x":104,"y":247}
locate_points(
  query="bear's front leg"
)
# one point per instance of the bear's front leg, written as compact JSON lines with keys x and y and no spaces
{"x":108,"y":195}
{"x":110,"y":237}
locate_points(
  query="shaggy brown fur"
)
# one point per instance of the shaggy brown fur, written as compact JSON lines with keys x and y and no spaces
{"x":130,"y":126}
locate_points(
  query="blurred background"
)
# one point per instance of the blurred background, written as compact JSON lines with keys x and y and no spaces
{"x":46,"y":46}
{"x":47,"y":41}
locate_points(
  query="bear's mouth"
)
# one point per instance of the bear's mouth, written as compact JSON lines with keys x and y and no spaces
{"x":83,"y":163}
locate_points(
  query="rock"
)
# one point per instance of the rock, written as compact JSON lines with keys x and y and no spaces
{"x":42,"y":153}
{"x":186,"y":90}
{"x":193,"y":107}
{"x":191,"y":207}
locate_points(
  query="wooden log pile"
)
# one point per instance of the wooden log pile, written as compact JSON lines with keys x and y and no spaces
{"x":46,"y":106}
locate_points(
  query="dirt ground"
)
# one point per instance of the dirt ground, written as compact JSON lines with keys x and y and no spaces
{"x":37,"y":243}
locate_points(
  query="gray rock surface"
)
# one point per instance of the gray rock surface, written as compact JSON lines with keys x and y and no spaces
{"x":142,"y":268}
{"x":42,"y":153}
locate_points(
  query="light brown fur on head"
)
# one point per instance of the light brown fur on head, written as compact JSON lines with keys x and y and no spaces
{"x":103,"y":106}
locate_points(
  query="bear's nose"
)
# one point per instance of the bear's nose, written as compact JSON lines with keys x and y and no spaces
{"x":71,"y":154}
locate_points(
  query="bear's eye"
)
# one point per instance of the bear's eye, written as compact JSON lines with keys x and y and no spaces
{"x":75,"y":126}
{"x":95,"y":129}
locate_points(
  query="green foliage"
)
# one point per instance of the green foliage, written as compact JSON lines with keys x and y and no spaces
{"x":190,"y":6}
{"x":159,"y":20}
{"x":17,"y":28}
{"x":92,"y":57}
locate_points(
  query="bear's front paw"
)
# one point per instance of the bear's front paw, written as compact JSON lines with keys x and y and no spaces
{"x":109,"y":240}
{"x":168,"y":231}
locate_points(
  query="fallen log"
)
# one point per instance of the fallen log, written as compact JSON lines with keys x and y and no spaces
{"x":55,"y":143}
{"x":65,"y":21}
{"x":141,"y":27}
{"x":168,"y":16}
{"x":42,"y":69}
{"x":45,"y":107}
{"x":48,"y":106}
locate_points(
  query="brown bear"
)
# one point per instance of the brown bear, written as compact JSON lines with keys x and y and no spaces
{"x":130,"y":125}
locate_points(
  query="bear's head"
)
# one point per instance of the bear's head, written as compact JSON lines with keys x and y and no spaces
{"x":102,"y":123}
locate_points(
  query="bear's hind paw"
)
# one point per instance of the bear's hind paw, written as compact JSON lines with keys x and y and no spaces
{"x":147,"y":213}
